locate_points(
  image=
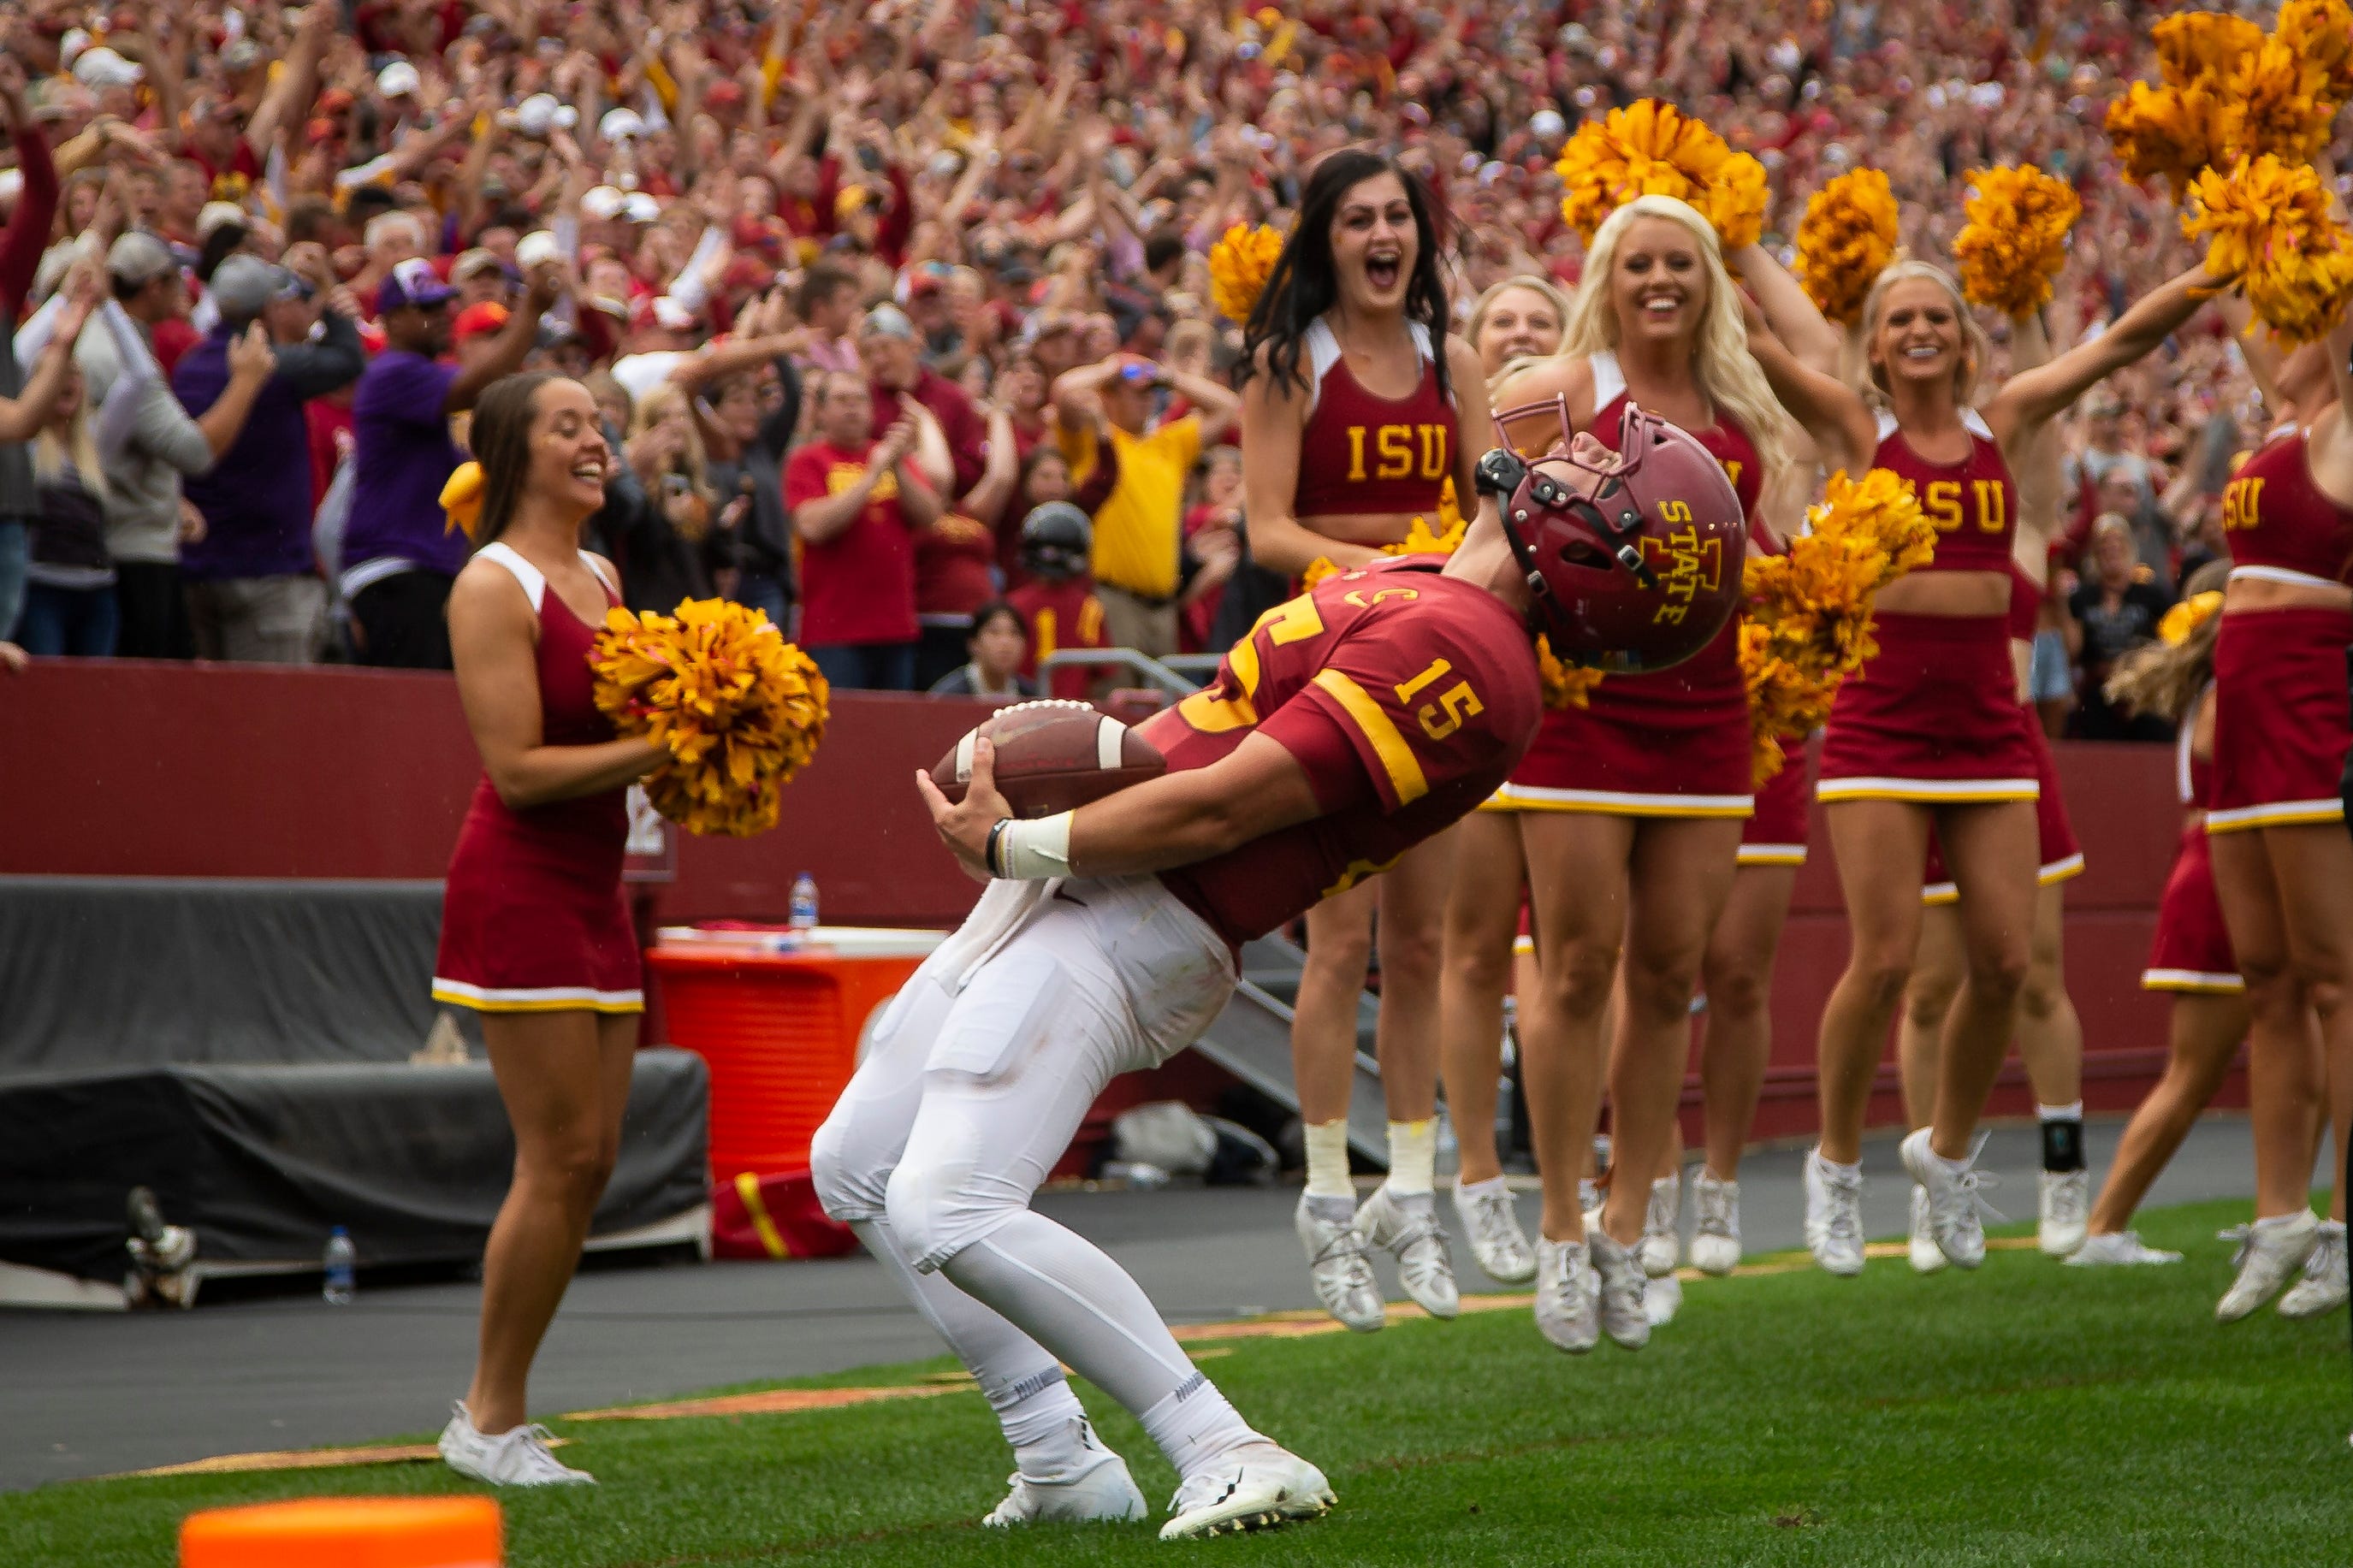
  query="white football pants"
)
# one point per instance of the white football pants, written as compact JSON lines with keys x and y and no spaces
{"x":977,"y":1076}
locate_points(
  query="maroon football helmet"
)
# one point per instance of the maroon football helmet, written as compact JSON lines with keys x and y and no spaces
{"x":1633,"y":568}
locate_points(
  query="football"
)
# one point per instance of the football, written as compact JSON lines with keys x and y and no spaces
{"x":1052,"y":756}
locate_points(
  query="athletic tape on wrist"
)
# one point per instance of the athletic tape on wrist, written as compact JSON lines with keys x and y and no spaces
{"x":1033,"y":851}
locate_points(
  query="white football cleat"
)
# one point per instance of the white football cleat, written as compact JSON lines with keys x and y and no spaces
{"x":1660,"y":1217}
{"x":1834,"y":1215}
{"x":2066,"y":1207}
{"x":1956,"y":1211}
{"x":1569,"y":1296}
{"x":1928,"y":1258}
{"x":1407,"y":1229}
{"x":1492,"y":1227}
{"x":1715,"y":1225}
{"x":2267,"y":1255}
{"x":1662,"y":1298}
{"x":1622,"y":1279}
{"x":1098,"y":1488}
{"x":1255,"y":1487}
{"x":2323,"y":1287}
{"x":517,"y":1459}
{"x":2118,"y":1250}
{"x":1336,"y":1256}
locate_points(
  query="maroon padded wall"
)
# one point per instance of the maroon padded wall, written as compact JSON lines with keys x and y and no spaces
{"x":123,"y":768}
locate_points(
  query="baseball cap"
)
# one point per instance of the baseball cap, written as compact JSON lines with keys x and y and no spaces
{"x":398,"y":80}
{"x":472,"y":261}
{"x":138,"y":257}
{"x":602,"y":204}
{"x":536,"y":247}
{"x":541,"y":114}
{"x":638,"y":206}
{"x":102,"y":67}
{"x":412,"y":284}
{"x":886,"y":322}
{"x":475,"y":319}
{"x":243,"y":286}
{"x":618,"y":123}
{"x":218,"y":215}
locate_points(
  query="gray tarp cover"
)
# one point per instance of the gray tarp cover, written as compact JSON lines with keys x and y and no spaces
{"x":242,"y":1047}
{"x":263,"y":1161}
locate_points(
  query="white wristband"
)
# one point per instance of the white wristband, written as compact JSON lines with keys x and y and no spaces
{"x":1033,"y":851}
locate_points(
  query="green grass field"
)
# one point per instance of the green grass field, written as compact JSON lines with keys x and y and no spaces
{"x":2028,"y":1414}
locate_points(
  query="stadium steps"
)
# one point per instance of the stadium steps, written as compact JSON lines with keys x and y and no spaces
{"x":1252,"y":1040}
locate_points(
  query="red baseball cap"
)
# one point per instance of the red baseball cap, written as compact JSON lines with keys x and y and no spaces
{"x":475,"y":319}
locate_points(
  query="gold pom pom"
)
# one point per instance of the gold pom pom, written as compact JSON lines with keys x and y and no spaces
{"x":1323,"y":566}
{"x":2194,"y":43}
{"x":2274,"y":100}
{"x":2267,"y":229}
{"x":1653,"y":149}
{"x":740,"y":709}
{"x":2016,"y":237}
{"x":1565,"y":685}
{"x":1845,"y":241}
{"x":461,"y":500}
{"x":2180,"y":623}
{"x":1240,"y":265}
{"x":2170,"y":133}
{"x":2320,"y":33}
{"x":1809,"y":612}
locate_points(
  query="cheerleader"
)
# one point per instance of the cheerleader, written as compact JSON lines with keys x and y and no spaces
{"x":1929,"y":735}
{"x":1517,"y":319}
{"x":2190,"y":958}
{"x":1631,"y":810}
{"x":2050,"y":1033}
{"x":2282,"y":865}
{"x":535,"y":936}
{"x":1359,"y":408}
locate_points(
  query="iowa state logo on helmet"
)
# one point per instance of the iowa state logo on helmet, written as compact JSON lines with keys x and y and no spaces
{"x":1633,"y":565}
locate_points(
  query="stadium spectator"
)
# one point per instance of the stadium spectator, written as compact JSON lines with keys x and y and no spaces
{"x":147,"y":519}
{"x":2116,"y":609}
{"x":888,"y":348}
{"x":996,"y":649}
{"x":254,"y":591}
{"x":70,"y":578}
{"x":857,"y":503}
{"x":1138,"y":543}
{"x":20,"y":255}
{"x":400,"y":554}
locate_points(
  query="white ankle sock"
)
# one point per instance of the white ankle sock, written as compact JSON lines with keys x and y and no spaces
{"x":1043,"y":1419}
{"x":2074,"y":1113}
{"x":1195,"y":1424}
{"x":1467,"y":1190}
{"x":2282,"y":1220}
{"x":1832,"y":1165}
{"x":1327,"y":1160}
{"x":1413,"y":1157}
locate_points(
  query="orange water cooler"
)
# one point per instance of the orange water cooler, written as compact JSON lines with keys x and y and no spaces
{"x":779,"y":1017}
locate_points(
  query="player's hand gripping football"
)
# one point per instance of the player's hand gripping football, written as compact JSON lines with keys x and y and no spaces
{"x":963,"y":827}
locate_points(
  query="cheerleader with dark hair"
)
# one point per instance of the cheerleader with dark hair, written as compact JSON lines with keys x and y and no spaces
{"x":535,"y":936}
{"x":1358,"y":409}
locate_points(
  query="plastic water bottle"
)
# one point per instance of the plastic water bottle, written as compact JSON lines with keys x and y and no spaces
{"x":804,"y":915}
{"x":342,"y":1263}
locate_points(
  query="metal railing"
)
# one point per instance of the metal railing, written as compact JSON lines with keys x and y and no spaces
{"x":1174,"y":675}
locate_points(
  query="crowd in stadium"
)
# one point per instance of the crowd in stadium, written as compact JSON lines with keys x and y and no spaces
{"x":959,"y":247}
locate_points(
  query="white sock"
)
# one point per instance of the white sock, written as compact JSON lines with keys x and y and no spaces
{"x":1327,"y":1160}
{"x":2074,"y":1113}
{"x":2282,"y":1220}
{"x":1829,"y":1164}
{"x":1467,"y":1190}
{"x":1195,"y":1424}
{"x":1042,"y":1420}
{"x":1413,"y":1157}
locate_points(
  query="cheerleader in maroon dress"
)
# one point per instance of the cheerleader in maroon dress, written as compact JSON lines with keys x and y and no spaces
{"x":1357,"y":409}
{"x":2283,"y":863}
{"x":2190,"y":958}
{"x":1929,"y":735}
{"x":534,"y":935}
{"x":1630,"y":809}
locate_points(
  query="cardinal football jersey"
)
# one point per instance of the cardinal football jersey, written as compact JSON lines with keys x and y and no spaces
{"x":1405,"y":695}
